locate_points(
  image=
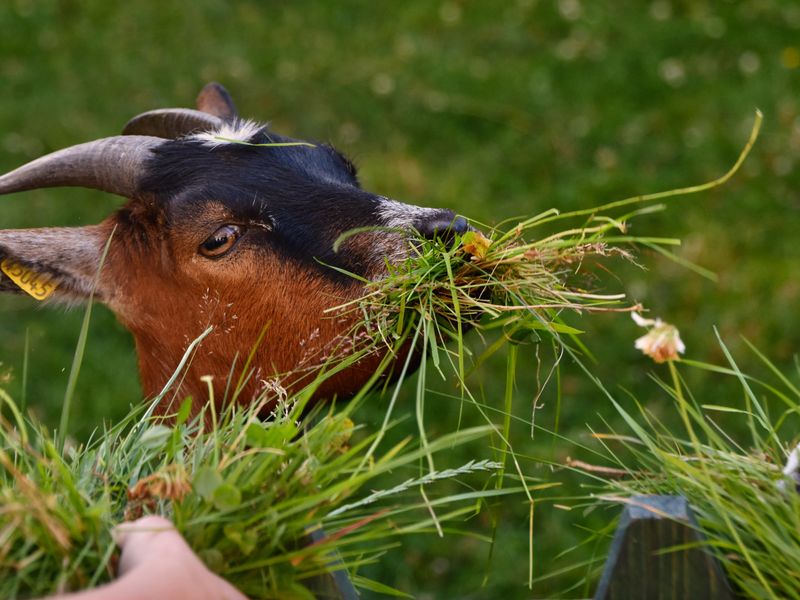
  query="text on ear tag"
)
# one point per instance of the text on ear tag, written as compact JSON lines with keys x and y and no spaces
{"x":38,"y":285}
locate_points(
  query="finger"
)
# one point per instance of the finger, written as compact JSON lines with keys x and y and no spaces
{"x":149,"y":524}
{"x":146,"y":538}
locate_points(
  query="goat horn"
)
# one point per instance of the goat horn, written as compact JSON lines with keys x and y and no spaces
{"x":171,"y":123}
{"x":115,"y":165}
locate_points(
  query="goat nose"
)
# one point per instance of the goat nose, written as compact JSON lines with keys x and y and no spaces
{"x":444,"y":224}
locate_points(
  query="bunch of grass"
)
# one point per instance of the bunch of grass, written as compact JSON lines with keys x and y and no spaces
{"x":499,"y":278}
{"x":519,"y":276}
{"x":523,"y":272}
{"x":747,"y":507}
{"x":245,"y":492}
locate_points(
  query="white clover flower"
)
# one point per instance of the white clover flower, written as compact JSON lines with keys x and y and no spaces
{"x":791,"y":471}
{"x":662,"y":343}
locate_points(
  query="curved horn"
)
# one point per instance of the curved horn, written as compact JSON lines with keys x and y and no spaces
{"x":171,"y":123}
{"x":114,"y":164}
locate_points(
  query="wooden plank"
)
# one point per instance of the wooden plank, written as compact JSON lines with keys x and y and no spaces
{"x":640,"y":564}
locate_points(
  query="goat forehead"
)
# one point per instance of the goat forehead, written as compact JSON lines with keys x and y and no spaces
{"x":237,"y":167}
{"x":254,"y":142}
{"x":178,"y":168}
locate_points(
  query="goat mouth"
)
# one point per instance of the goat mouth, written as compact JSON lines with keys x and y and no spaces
{"x":446,"y":237}
{"x":383,"y":250}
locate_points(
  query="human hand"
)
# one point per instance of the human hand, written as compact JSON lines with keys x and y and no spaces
{"x":157,"y":563}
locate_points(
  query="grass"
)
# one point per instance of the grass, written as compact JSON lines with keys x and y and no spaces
{"x":476,"y":277}
{"x":745,"y":505}
{"x":244,"y":492}
{"x":494,"y":110}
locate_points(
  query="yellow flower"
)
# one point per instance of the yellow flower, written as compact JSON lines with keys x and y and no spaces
{"x":475,"y":244}
{"x":663,"y":341}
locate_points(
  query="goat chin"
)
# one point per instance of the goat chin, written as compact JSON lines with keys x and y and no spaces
{"x":372,"y":370}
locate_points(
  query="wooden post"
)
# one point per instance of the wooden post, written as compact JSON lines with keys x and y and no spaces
{"x":642,"y":565}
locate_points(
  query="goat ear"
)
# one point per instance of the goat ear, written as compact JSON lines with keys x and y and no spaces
{"x":57,"y":262}
{"x":215,"y":100}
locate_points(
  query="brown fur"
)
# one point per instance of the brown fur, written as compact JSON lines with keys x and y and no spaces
{"x":168,"y":303}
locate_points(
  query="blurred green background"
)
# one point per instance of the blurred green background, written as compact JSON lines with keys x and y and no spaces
{"x":495,"y":109}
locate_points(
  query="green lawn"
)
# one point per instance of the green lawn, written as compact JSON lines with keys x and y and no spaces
{"x":494,"y":109}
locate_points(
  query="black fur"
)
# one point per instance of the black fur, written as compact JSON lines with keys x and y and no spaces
{"x":308,"y":196}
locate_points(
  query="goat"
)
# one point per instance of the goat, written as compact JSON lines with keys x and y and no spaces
{"x":216,"y":231}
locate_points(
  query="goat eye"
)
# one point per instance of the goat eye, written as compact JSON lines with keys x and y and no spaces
{"x":220,"y":241}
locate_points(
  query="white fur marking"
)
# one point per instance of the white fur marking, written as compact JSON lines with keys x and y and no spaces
{"x":397,"y":214}
{"x":239,"y":131}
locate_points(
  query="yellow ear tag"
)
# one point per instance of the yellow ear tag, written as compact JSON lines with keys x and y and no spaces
{"x":36,"y":284}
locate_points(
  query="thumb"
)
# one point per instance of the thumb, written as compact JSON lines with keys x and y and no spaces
{"x":145,"y":538}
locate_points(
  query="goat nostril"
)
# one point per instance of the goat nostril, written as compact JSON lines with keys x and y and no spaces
{"x":460,"y":225}
{"x":444,"y":226}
